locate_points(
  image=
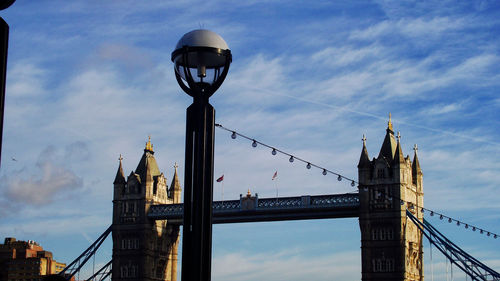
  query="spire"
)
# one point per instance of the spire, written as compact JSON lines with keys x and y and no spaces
{"x":415,"y":168}
{"x":364,"y":159}
{"x":398,"y":156}
{"x":389,"y":124}
{"x":175,"y":185}
{"x":389,"y":145}
{"x":149,"y":146}
{"x":147,"y":164}
{"x":120,"y":177}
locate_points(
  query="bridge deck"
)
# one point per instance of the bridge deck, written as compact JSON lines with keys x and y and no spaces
{"x":254,"y":209}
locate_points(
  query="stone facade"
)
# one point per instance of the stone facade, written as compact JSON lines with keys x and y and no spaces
{"x":391,"y":244}
{"x":144,"y":249}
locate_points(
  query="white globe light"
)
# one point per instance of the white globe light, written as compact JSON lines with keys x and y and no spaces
{"x":201,"y":59}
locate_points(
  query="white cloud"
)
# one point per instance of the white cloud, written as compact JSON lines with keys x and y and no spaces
{"x":410,"y":27}
{"x":443,"y":109}
{"x":26,"y":80}
{"x":284,"y":265}
{"x":51,"y":180}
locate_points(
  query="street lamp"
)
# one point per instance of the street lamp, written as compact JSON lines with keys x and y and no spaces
{"x":4,"y":43}
{"x":201,"y":61}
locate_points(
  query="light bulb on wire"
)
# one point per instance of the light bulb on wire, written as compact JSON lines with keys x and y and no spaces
{"x":233,"y":135}
{"x":308,"y":166}
{"x":324,"y":172}
{"x":339,"y":178}
{"x":291,"y":159}
{"x":273,"y":152}
{"x":254,"y":143}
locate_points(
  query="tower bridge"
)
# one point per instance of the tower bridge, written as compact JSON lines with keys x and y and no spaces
{"x":147,"y":214}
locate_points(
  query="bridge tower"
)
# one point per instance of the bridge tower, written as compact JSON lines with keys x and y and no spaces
{"x":391,"y":245}
{"x":144,"y":249}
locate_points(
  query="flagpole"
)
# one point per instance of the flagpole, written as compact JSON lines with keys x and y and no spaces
{"x":276,"y":186}
{"x":275,"y":179}
{"x":223,"y":188}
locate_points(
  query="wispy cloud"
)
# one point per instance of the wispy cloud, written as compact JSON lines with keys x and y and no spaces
{"x":282,"y":266}
{"x":52,"y":179}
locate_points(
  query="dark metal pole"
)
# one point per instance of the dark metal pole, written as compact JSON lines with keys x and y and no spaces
{"x":198,"y":191}
{"x":4,"y":43}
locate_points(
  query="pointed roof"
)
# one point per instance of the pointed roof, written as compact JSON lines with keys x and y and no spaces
{"x":415,"y":168}
{"x":398,"y":155}
{"x":364,"y":159}
{"x":147,"y":165}
{"x":175,"y":185}
{"x":120,"y":176}
{"x":389,"y":145}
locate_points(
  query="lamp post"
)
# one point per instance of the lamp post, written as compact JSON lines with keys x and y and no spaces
{"x":4,"y":44}
{"x":201,"y":61}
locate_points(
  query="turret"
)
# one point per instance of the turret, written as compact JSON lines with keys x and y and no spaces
{"x":364,"y":164}
{"x":119,"y":182}
{"x":175,"y":187}
{"x":400,"y":167}
{"x":416,"y":172}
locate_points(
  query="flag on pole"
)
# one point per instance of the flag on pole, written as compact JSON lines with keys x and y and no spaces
{"x":220,"y":179}
{"x":275,"y":175}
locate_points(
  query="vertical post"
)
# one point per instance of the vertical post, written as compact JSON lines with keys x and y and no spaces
{"x":4,"y":43}
{"x":198,"y":192}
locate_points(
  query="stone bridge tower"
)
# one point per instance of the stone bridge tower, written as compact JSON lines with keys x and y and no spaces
{"x":391,"y":245}
{"x":143,"y":249}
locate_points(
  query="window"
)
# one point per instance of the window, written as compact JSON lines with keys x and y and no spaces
{"x":124,"y":271}
{"x":380,"y":173}
{"x":132,"y":271}
{"x":383,"y":265}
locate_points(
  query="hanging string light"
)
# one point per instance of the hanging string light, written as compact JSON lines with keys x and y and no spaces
{"x":325,"y":171}
{"x":275,"y":151}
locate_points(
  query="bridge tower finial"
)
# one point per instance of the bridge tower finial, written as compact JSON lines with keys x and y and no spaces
{"x":389,"y":123}
{"x":149,"y":146}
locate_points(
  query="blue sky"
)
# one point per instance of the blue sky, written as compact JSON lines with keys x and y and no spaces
{"x":90,"y":80}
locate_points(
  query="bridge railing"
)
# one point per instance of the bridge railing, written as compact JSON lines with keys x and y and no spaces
{"x":251,"y":208}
